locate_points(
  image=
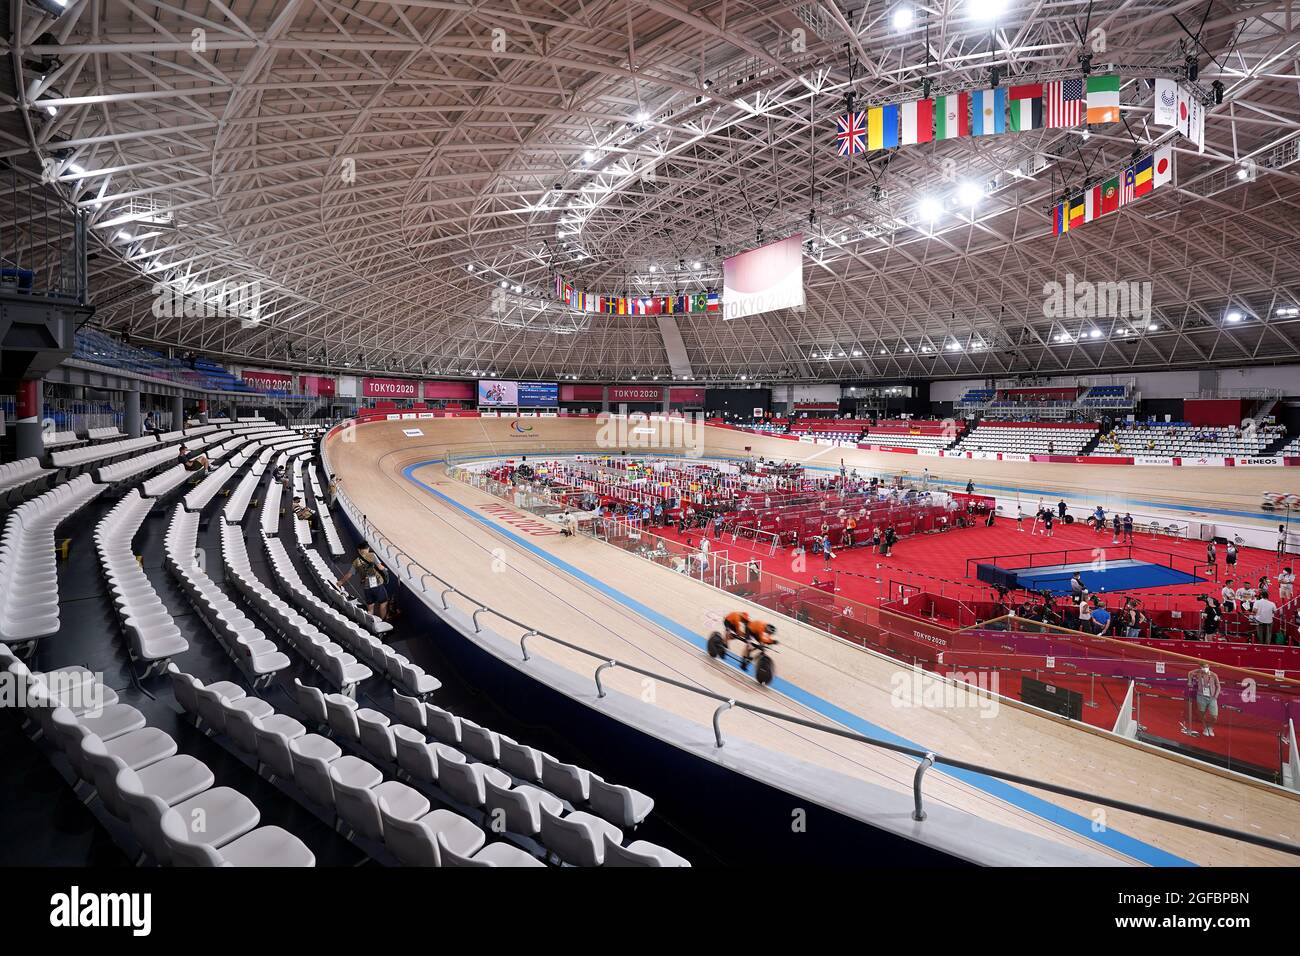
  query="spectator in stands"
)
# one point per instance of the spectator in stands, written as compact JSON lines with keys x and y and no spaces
{"x":1051,"y":448}
{"x":1085,"y":614}
{"x":1204,"y":686}
{"x":301,"y":511}
{"x":1210,"y":618}
{"x":1100,"y":617}
{"x":1286,"y":585}
{"x":1077,"y":588}
{"x":374,"y":579}
{"x":332,"y":492}
{"x":1228,"y":596}
{"x":151,"y":423}
{"x":1263,"y":618}
{"x":198,"y":463}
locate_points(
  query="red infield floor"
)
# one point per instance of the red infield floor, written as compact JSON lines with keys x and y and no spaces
{"x":937,"y":562}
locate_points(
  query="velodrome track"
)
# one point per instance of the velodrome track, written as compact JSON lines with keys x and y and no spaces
{"x":619,"y":605}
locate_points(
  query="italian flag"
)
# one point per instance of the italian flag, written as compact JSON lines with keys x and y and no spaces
{"x":952,"y":119}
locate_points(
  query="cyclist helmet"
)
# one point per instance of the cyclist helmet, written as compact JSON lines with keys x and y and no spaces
{"x":771,"y":629}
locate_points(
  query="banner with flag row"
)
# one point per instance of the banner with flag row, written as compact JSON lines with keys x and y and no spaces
{"x":1114,"y":192}
{"x":1060,"y":104}
{"x":701,"y":303}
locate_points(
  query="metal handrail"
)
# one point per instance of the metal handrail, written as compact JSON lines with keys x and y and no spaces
{"x":926,"y":757}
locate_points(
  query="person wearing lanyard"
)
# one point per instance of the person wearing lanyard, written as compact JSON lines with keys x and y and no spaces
{"x":374,"y":577}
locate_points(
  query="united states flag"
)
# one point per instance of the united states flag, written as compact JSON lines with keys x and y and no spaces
{"x":851,"y":133}
{"x":1063,"y":103}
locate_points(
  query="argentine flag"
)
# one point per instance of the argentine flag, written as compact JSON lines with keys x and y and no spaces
{"x":989,"y":114}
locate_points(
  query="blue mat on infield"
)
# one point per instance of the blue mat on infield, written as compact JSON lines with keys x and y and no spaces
{"x":1115,"y":576}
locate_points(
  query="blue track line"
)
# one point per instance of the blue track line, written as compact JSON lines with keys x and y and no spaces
{"x":1066,"y":819}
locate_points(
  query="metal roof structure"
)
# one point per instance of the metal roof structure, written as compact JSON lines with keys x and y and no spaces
{"x":391,"y":186}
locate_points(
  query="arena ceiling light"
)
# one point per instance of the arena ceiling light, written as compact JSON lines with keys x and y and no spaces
{"x":1288,"y":310}
{"x":929,"y":209}
{"x":903,"y":17}
{"x":1153,"y":327}
{"x":1234,"y":316}
{"x":986,"y":9}
{"x":1095,"y":334}
{"x":968,"y":194}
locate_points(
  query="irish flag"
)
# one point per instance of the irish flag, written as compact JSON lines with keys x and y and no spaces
{"x":953,"y":116}
{"x":918,"y":122}
{"x":1103,"y":99}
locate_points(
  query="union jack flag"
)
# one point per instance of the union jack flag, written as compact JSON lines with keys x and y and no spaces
{"x":851,"y":133}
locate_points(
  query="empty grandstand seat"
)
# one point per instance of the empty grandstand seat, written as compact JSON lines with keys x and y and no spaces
{"x":226,"y":814}
{"x":621,"y":806}
{"x":265,"y":846}
{"x":417,"y":842}
{"x":521,"y":807}
{"x":466,"y":782}
{"x":566,"y":780}
{"x":578,"y":838}
{"x":367,"y":810}
{"x":494,"y":854}
{"x":172,"y":779}
{"x":640,"y":853}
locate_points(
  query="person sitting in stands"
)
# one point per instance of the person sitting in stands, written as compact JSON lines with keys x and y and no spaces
{"x":197,"y":463}
{"x":301,"y":511}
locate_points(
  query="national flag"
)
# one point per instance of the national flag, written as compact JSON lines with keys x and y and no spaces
{"x":1127,"y":189}
{"x":882,"y":127}
{"x":715,"y":302}
{"x":1142,"y":177}
{"x":1026,"y":107}
{"x":1166,"y":105}
{"x":1164,"y":166}
{"x":1060,"y":218}
{"x":990,"y":114}
{"x":918,"y":122}
{"x":1191,"y":116}
{"x":1110,"y":195}
{"x":1103,"y":99}
{"x":1063,"y":103}
{"x":1078,"y":211}
{"x":559,"y":285}
{"x":701,"y":302}
{"x":953,"y":116}
{"x":851,"y":133}
{"x":622,"y":306}
{"x":1092,"y":203}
